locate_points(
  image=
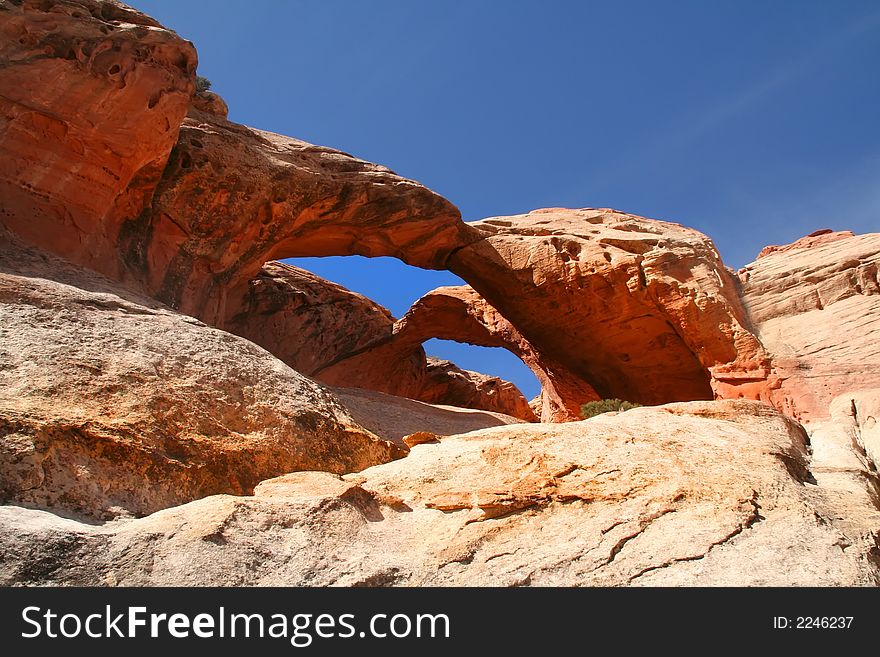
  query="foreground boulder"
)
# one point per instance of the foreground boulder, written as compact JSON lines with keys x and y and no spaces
{"x":703,"y":493}
{"x":112,"y":403}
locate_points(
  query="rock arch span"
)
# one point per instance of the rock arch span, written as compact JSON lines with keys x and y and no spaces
{"x":603,"y":303}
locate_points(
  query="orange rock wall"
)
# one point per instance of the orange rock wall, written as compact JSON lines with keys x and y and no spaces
{"x":91,"y":97}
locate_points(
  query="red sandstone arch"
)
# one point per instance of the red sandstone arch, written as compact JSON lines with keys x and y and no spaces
{"x":601,"y":302}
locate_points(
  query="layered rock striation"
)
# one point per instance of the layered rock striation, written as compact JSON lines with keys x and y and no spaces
{"x":702,"y":493}
{"x":816,"y":306}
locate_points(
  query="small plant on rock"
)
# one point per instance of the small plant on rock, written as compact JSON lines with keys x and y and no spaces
{"x":202,"y":83}
{"x":593,"y":408}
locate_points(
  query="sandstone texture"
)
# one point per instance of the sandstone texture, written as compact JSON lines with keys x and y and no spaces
{"x":638,"y":309}
{"x":603,"y":304}
{"x":210,"y":103}
{"x":446,"y":383}
{"x":394,"y":418}
{"x":597,"y":303}
{"x":105,"y":139}
{"x":111,"y":403}
{"x":846,"y":451}
{"x":816,"y":306}
{"x":320,"y":328}
{"x":306,"y":321}
{"x":450,"y":313}
{"x":179,"y":408}
{"x":91,"y":97}
{"x":816,"y":238}
{"x":705,"y":493}
{"x":232,"y":198}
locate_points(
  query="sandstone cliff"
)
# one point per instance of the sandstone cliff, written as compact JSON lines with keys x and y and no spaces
{"x":92,"y":95}
{"x":816,"y":307}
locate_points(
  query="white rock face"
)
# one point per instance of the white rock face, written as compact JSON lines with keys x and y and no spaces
{"x":846,"y":449}
{"x":699,"y":493}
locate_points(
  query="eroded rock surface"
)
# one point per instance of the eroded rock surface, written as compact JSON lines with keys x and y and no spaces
{"x":91,"y":97}
{"x":703,"y":493}
{"x":233,"y":198}
{"x":394,"y":418}
{"x":459,"y":313}
{"x":307,"y":321}
{"x":845,"y":453}
{"x":816,"y":307}
{"x":111,"y":402}
{"x":446,"y":383}
{"x":319,"y":328}
{"x":597,"y":303}
{"x":94,"y":95}
{"x":630,"y":307}
{"x":611,"y":304}
{"x":816,"y":238}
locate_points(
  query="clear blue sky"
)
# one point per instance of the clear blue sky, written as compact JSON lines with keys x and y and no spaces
{"x":753,"y":121}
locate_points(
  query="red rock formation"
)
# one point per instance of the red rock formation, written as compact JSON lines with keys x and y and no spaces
{"x":233,"y":198}
{"x":306,"y":321}
{"x":91,"y":97}
{"x":602,"y":303}
{"x":446,"y":383}
{"x":210,"y":103}
{"x":816,"y":306}
{"x":816,"y":238}
{"x":460,"y":314}
{"x":319,"y":328}
{"x":637,"y":309}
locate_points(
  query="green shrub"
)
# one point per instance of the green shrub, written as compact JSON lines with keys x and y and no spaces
{"x":202,"y":83}
{"x":593,"y":408}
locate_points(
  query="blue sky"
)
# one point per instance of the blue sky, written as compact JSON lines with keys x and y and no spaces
{"x":755,"y":122}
